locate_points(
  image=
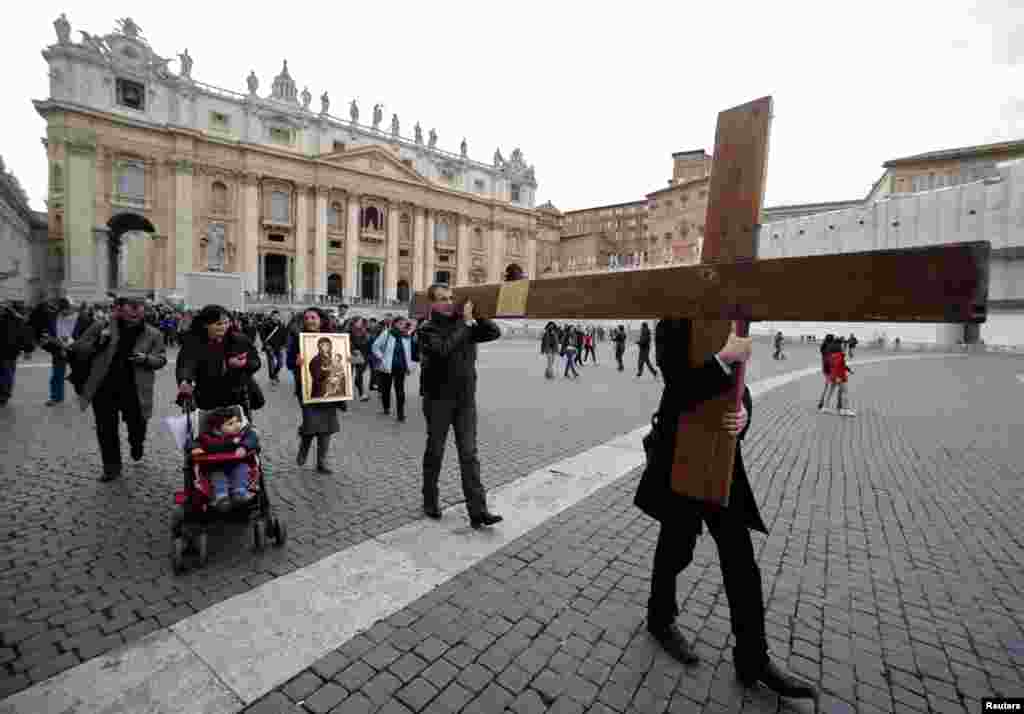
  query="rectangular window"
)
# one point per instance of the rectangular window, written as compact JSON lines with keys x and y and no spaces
{"x":403,"y":253}
{"x":279,"y":205}
{"x":280,"y":135}
{"x":219,"y":121}
{"x":335,"y":244}
{"x":131,"y":94}
{"x":131,"y":181}
{"x":339,"y":146}
{"x":275,"y":238}
{"x":442,"y":258}
{"x":515,"y":192}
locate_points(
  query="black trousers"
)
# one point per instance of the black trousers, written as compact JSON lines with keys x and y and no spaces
{"x":357,"y":375}
{"x":589,"y":352}
{"x":384,"y":383}
{"x":741,"y":574}
{"x":107,"y":407}
{"x":460,"y":414}
{"x":645,"y":359}
{"x":618,"y":358}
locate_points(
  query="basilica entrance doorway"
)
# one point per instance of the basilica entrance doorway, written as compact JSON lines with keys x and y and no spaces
{"x":126,"y":257}
{"x":275,"y":274}
{"x":370,"y":281}
{"x":403,"y":291}
{"x":334,"y":285}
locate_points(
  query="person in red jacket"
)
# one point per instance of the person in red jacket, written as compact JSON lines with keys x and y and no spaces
{"x":838,"y":372}
{"x":225,"y":434}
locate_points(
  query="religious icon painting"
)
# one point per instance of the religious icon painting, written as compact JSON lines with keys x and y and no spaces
{"x":326,"y":367}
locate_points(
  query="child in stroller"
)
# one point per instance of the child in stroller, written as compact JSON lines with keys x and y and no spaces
{"x":229,"y":440}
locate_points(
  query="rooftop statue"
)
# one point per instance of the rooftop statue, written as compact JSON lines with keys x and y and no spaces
{"x":63,"y":28}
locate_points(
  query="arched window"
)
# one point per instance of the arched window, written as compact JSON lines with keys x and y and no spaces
{"x":334,"y":284}
{"x":220,"y":196}
{"x":334,"y":215}
{"x":279,"y":207}
{"x":478,"y":239}
{"x":372,"y":218}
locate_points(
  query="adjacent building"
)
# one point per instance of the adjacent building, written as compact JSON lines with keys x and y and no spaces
{"x":26,"y":269}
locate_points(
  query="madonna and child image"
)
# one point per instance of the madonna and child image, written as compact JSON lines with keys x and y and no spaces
{"x":326,"y":368}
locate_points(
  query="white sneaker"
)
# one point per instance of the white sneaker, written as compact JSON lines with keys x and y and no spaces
{"x":847,"y":412}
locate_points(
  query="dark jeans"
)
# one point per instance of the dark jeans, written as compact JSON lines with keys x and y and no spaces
{"x":357,"y":374}
{"x":618,"y":358}
{"x":58,"y":368}
{"x":460,"y":414}
{"x":107,"y":407}
{"x":397,"y":377}
{"x":676,"y":541}
{"x":7,"y":369}
{"x":645,"y":359}
{"x":570,"y":363}
{"x":275,"y":361}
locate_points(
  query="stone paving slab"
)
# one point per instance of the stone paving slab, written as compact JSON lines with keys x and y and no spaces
{"x":892,"y":572}
{"x":84,"y":566}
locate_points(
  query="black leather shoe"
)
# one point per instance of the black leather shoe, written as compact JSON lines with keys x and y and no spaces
{"x":484,"y":519}
{"x":109,"y":474}
{"x":324,"y":469}
{"x":432,"y":511}
{"x":303,"y":454}
{"x":780,"y":682}
{"x":672,"y":640}
{"x":136,"y":452}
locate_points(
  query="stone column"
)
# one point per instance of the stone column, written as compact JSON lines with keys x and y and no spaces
{"x":320,"y":247}
{"x":391,"y":259}
{"x":352,"y":247}
{"x":428,"y":251}
{"x":183,"y":228}
{"x":80,"y":249}
{"x":299,"y":285}
{"x":497,"y":248}
{"x":531,"y":257}
{"x":419,"y":246}
{"x":463,"y":255}
{"x":249,"y":240}
{"x":158,"y":250}
{"x":101,"y":249}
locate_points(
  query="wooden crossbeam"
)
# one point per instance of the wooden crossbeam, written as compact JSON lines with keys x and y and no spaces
{"x":941,"y":284}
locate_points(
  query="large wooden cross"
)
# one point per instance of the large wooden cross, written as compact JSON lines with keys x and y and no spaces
{"x":942,"y":284}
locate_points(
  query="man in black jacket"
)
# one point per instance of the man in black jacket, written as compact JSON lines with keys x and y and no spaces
{"x":274,"y":338}
{"x":682,"y":519}
{"x":447,"y":354}
{"x":15,"y":337}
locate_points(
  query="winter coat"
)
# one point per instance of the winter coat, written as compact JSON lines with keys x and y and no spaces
{"x":216,"y":384}
{"x":685,"y":388}
{"x":447,"y":353}
{"x":274,"y":336}
{"x":619,"y":338}
{"x":217,"y":443}
{"x":384,"y":351}
{"x":549,"y":342}
{"x":149,"y":342}
{"x":15,"y":335}
{"x":837,"y":369}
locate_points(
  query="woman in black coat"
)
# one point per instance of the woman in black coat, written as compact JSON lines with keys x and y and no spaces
{"x":682,"y":519}
{"x":216,"y":363}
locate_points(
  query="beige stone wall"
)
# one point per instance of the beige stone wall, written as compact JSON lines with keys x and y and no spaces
{"x":947,"y":172}
{"x":370,"y":176}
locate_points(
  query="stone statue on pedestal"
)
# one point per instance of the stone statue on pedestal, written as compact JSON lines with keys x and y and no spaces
{"x":325,"y":103}
{"x":463,"y":148}
{"x":128,"y":27}
{"x":433,"y":139}
{"x":378,"y":116}
{"x":253,"y":82}
{"x":306,"y":98}
{"x":353,"y":111}
{"x":419,"y":133}
{"x":215,"y":247}
{"x":498,"y":160}
{"x":63,"y":28}
{"x":394,"y":125}
{"x":186,"y":64}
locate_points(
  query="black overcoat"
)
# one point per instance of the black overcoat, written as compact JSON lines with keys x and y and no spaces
{"x":685,"y":388}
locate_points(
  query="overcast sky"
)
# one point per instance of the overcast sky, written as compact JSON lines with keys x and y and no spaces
{"x":597,"y":95}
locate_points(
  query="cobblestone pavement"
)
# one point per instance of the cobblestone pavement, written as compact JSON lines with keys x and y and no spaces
{"x":892,"y":568}
{"x":84,"y":566}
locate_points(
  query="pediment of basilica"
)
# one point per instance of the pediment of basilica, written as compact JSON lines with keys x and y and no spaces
{"x":375,"y":160}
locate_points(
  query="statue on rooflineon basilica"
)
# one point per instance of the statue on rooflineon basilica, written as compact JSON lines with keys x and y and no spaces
{"x":63,"y":28}
{"x":325,"y":103}
{"x":419,"y":133}
{"x":353,"y":111}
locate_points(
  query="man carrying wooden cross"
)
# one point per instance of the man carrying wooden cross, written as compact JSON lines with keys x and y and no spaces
{"x":695,"y":472}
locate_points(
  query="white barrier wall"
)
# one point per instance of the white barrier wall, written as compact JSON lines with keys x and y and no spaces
{"x":991,"y":210}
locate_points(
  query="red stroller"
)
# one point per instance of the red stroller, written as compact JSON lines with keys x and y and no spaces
{"x":193,"y":512}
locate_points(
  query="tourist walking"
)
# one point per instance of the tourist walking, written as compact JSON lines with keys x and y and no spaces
{"x":318,"y":420}
{"x":15,"y":337}
{"x":619,"y":338}
{"x":57,"y":341}
{"x":359,"y":341}
{"x":395,"y":354}
{"x":778,"y":347}
{"x":644,"y":358}
{"x":550,"y":347}
{"x":826,"y":392}
{"x":569,"y":351}
{"x":274,"y":338}
{"x":838,"y":375}
{"x":852,"y":344}
{"x":588,"y":346}
{"x":124,"y":355}
{"x":447,"y":352}
{"x":682,"y":519}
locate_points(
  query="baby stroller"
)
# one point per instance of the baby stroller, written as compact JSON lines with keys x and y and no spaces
{"x":194,"y":511}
